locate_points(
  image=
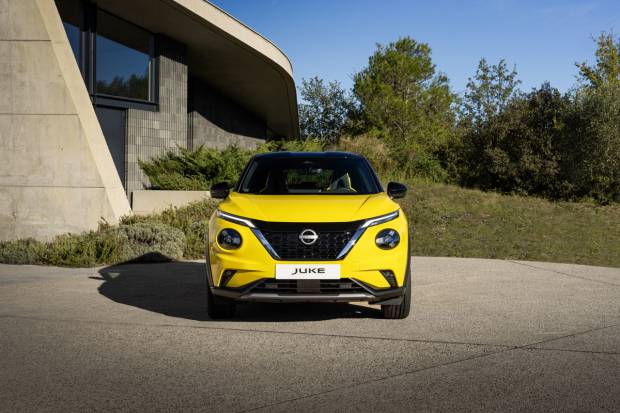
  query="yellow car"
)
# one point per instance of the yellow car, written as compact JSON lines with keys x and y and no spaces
{"x":308,"y":227}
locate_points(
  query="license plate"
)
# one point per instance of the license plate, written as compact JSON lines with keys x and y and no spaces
{"x":307,"y":271}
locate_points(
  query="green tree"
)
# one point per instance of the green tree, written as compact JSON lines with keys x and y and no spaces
{"x":490,"y":91}
{"x":518,"y":149}
{"x":607,"y":67}
{"x":324,"y":111}
{"x":407,"y":102}
{"x":591,"y":161}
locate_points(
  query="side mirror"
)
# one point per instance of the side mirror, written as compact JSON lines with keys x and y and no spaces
{"x":396,"y":190}
{"x":220,"y":190}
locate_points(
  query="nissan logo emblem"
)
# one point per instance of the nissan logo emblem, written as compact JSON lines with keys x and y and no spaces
{"x":308,"y":236}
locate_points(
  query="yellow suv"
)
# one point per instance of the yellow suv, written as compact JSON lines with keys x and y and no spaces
{"x":308,"y":227}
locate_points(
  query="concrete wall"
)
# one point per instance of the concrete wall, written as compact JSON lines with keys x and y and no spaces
{"x":217,"y":122}
{"x":147,"y":202}
{"x":56,"y":172}
{"x":150,"y":133}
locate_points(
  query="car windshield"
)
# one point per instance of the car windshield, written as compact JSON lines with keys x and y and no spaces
{"x":299,"y":175}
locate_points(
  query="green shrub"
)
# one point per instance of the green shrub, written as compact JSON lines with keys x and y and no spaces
{"x":302,"y":145}
{"x":151,"y":242}
{"x":176,"y":181}
{"x":84,"y":250}
{"x":375,"y":150}
{"x":192,"y":220}
{"x":139,"y":242}
{"x":22,"y":251}
{"x":195,"y":169}
{"x":76,"y":250}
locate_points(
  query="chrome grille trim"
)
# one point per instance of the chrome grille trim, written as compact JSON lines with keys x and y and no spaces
{"x":265,"y":243}
{"x":348,"y":246}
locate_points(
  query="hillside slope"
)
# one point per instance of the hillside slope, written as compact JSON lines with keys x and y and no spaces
{"x":452,"y":221}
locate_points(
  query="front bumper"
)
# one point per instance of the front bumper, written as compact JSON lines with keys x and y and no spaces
{"x":310,"y":291}
{"x":254,"y":266}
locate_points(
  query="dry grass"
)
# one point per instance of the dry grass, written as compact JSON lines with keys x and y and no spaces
{"x":452,"y":221}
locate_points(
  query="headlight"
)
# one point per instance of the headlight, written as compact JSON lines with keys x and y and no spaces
{"x":387,"y":239}
{"x":248,"y":223}
{"x":360,"y":231}
{"x":234,"y":218}
{"x":229,"y":239}
{"x":380,"y":219}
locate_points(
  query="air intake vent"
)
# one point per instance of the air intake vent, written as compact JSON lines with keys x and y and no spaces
{"x":331,"y":239}
{"x":291,"y":287}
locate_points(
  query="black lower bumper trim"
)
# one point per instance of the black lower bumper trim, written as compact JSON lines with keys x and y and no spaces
{"x":366,"y":293}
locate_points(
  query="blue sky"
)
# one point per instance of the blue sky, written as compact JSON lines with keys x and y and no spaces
{"x":333,"y":39}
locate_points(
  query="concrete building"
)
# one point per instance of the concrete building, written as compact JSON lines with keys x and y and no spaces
{"x":88,"y":88}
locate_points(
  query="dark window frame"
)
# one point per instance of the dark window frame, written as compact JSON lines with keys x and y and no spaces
{"x":87,"y":63}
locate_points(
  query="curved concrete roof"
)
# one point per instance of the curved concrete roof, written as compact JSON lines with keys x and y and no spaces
{"x":225,"y":53}
{"x":239,"y":30}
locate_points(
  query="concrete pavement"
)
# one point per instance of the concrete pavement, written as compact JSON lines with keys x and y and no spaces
{"x":483,"y":335}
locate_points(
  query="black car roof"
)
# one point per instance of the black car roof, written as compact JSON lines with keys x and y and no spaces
{"x":330,"y":154}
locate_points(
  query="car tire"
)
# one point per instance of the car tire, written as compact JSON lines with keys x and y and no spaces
{"x":218,"y":308}
{"x":400,"y":311}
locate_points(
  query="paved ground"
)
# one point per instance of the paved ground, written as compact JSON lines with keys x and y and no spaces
{"x":483,"y":335}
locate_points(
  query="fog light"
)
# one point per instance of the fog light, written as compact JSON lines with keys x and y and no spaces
{"x":389,"y":277}
{"x":387,"y":239}
{"x":226,"y":276}
{"x":229,"y":239}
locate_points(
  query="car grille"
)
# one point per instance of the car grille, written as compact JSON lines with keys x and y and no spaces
{"x":292,"y":287}
{"x":284,"y":239}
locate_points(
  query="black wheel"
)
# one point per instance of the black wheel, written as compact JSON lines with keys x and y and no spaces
{"x":401,"y":310}
{"x":218,"y":308}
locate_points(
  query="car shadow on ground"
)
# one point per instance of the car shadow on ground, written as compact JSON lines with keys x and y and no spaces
{"x":178,"y":289}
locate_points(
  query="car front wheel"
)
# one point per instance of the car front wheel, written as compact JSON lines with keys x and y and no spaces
{"x":218,"y":308}
{"x":401,"y":310}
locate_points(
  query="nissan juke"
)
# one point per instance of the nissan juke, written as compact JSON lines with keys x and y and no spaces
{"x":308,"y":227}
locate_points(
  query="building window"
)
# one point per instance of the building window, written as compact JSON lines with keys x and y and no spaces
{"x":72,"y":13}
{"x":116,"y":58}
{"x":74,"y":34}
{"x":123,"y":58}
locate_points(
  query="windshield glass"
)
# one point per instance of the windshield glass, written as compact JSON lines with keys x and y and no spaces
{"x":297,"y":175}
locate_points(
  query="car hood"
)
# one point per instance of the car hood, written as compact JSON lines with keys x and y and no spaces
{"x":308,"y":208}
